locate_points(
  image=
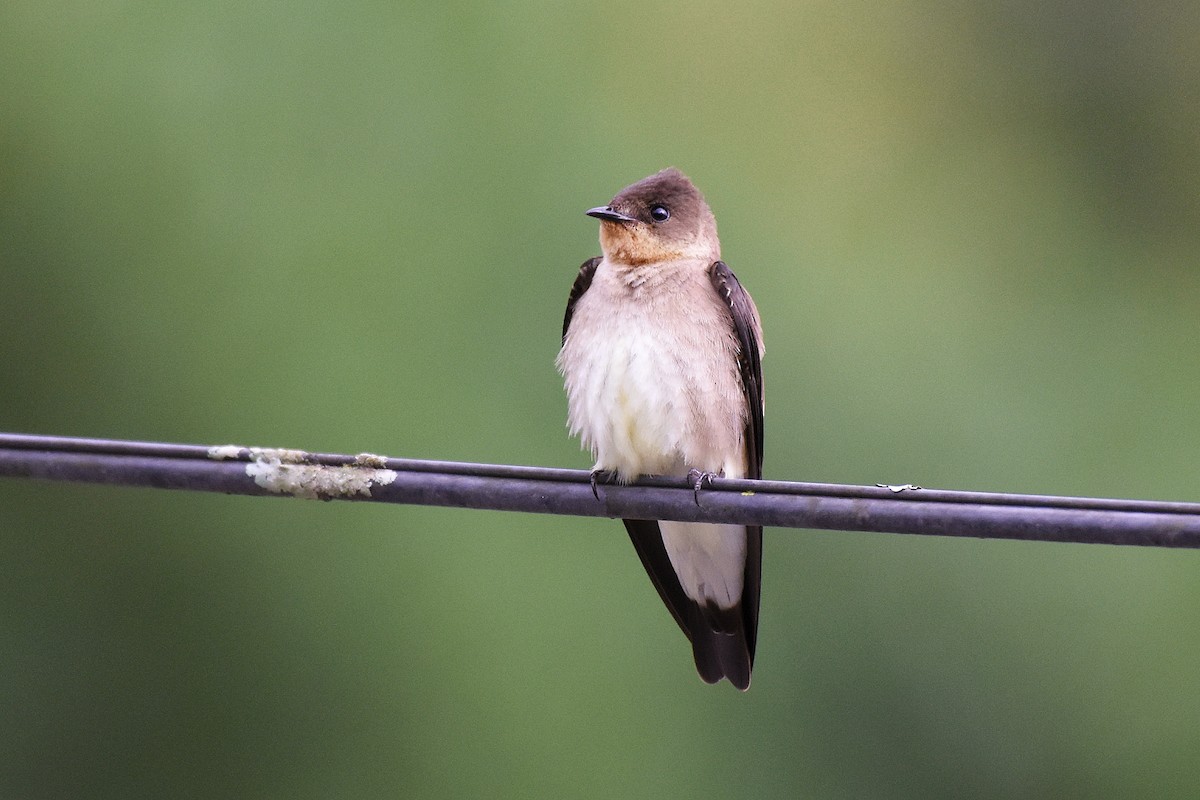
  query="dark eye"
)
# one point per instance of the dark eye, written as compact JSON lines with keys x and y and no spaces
{"x":660,"y":213}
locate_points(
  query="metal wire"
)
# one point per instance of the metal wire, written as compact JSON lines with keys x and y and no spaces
{"x":261,"y":471}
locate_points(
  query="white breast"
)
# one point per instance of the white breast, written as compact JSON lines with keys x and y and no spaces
{"x":650,"y":363}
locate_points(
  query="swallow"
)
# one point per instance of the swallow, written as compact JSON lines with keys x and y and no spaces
{"x":662,"y":363}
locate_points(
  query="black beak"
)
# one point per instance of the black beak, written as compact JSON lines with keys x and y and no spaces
{"x":609,"y":213}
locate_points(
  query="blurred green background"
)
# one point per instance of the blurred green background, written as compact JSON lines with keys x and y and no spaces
{"x":971,"y":228}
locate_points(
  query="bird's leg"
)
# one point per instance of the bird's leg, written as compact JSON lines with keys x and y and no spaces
{"x":698,"y":479}
{"x":598,"y":475}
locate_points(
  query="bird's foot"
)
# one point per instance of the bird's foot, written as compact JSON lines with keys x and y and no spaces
{"x":598,"y":476}
{"x":698,"y":480}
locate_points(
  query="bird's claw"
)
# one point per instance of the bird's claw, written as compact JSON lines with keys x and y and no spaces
{"x":698,"y":480}
{"x":597,"y":474}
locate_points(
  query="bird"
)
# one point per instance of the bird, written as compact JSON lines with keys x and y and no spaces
{"x":661,"y":359}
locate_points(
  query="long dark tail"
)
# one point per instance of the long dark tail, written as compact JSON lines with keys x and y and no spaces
{"x":722,"y":640}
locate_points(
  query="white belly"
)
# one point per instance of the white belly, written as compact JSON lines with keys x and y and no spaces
{"x":654,"y":393}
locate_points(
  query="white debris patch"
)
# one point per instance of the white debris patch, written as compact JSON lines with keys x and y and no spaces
{"x":370,"y":460}
{"x":280,"y":454}
{"x":224,"y":451}
{"x":314,"y":481}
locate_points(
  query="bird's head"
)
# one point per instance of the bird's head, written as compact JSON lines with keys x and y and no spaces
{"x":659,"y":218}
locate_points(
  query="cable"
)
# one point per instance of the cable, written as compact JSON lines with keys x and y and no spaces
{"x":234,"y":469}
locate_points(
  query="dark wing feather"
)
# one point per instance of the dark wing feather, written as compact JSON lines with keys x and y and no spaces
{"x":748,"y":329}
{"x":749,"y":334}
{"x":706,"y":643}
{"x":582,"y":281}
{"x":647,"y":540}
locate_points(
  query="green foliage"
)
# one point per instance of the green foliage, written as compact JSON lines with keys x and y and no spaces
{"x":972,"y":233}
